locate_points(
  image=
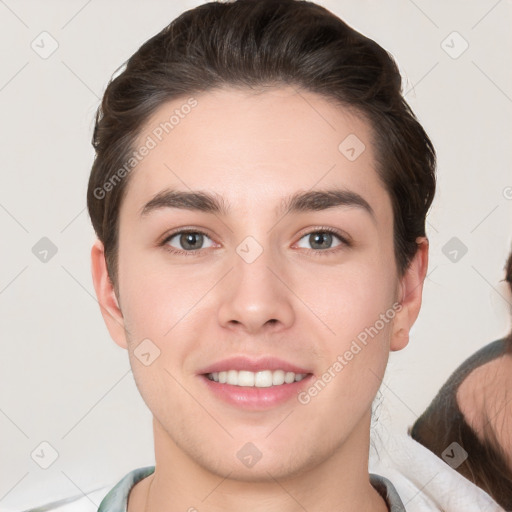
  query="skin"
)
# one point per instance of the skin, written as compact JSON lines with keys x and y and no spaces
{"x":253,"y":150}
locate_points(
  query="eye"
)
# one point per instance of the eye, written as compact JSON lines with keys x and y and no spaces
{"x":322,"y":239}
{"x":189,"y":241}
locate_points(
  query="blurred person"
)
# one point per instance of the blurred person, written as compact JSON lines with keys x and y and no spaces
{"x":474,"y":410}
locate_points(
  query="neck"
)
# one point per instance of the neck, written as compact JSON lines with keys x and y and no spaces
{"x":339,"y":483}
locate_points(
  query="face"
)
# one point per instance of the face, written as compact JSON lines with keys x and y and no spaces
{"x":258,"y":321}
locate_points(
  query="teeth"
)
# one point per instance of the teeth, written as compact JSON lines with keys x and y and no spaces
{"x":263,"y":379}
{"x":277,"y":378}
{"x":243,"y":379}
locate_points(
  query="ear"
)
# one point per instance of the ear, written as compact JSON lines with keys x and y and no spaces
{"x":105,"y":293}
{"x":410,"y":292}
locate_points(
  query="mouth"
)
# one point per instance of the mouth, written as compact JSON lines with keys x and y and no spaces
{"x":261,"y":379}
{"x":255,"y":384}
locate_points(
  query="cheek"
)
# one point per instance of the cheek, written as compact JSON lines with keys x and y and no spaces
{"x":156,"y":298}
{"x":356,"y":306}
{"x":350,"y":298}
{"x":166,"y":307}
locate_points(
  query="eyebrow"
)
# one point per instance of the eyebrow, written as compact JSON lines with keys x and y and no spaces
{"x":312,"y":200}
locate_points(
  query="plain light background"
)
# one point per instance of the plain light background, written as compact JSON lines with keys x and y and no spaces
{"x":62,"y":379}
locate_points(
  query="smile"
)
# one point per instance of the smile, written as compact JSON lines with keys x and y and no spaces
{"x":260,"y":379}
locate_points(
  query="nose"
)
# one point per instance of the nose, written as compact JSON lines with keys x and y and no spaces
{"x":255,"y":296}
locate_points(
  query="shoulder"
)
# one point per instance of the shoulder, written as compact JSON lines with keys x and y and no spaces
{"x":424,"y":481}
{"x":387,"y":490}
{"x":116,"y":500}
{"x":111,"y":499}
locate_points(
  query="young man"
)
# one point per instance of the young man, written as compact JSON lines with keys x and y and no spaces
{"x":259,"y":195}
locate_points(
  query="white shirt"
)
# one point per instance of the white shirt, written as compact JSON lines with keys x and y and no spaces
{"x":424,"y":481}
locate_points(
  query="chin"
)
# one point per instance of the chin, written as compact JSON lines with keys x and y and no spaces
{"x":251,"y":464}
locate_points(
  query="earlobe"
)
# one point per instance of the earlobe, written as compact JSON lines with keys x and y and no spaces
{"x":109,"y":306}
{"x":411,"y":286}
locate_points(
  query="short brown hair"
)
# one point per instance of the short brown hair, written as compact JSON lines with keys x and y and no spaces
{"x":253,"y":43}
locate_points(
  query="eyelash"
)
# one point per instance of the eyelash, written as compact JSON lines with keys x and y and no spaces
{"x":197,"y":252}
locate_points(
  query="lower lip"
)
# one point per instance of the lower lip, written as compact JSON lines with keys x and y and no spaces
{"x":254,"y":398}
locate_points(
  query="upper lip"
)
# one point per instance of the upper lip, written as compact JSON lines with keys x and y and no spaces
{"x":252,"y":365}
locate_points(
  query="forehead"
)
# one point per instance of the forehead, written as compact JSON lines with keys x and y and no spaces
{"x":251,"y":146}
